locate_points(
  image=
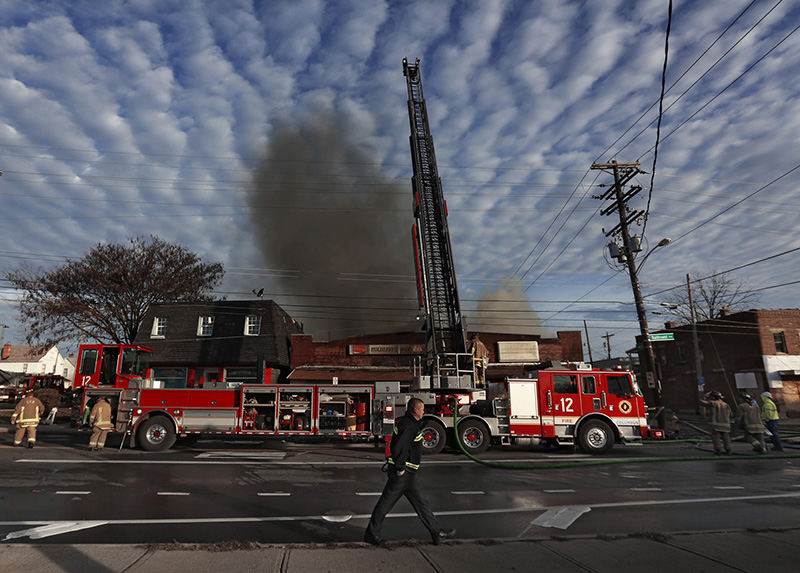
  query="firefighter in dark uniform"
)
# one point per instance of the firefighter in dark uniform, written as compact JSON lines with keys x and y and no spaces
{"x":100,"y":420}
{"x":406,"y":454}
{"x":26,"y":416}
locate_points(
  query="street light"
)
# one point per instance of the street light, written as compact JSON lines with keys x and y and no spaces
{"x":662,"y":243}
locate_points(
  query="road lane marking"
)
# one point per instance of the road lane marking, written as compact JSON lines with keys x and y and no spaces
{"x":173,"y":493}
{"x":240,"y":455}
{"x":289,"y":518}
{"x":376,"y":493}
{"x":478,"y":492}
{"x":561,"y":517}
{"x":728,"y":487}
{"x":73,"y":492}
{"x":274,"y":493}
{"x":559,"y":491}
{"x":56,"y":528}
{"x":646,"y":489}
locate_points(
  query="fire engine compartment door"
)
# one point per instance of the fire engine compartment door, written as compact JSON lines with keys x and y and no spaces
{"x":220,"y":420}
{"x":524,"y":406}
{"x":344,"y":409}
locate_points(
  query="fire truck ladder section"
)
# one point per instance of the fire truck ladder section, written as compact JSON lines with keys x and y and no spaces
{"x":437,"y":289}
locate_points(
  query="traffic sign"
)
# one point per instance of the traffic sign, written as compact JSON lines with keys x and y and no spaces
{"x":662,"y":336}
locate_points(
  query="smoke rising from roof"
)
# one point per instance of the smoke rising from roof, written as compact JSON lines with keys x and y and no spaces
{"x":505,"y":309}
{"x":334,"y":229}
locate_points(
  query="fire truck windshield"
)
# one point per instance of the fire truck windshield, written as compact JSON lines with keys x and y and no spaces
{"x":134,"y":361}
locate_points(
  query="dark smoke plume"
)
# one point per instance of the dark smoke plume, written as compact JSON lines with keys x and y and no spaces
{"x":505,"y":309}
{"x":336,"y":230}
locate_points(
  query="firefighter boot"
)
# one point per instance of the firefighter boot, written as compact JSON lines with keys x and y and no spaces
{"x":443,"y":534}
{"x":30,"y":445}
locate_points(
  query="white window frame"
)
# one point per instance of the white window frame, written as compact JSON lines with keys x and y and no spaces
{"x":205,"y":325}
{"x":252,"y":325}
{"x":159,"y":327}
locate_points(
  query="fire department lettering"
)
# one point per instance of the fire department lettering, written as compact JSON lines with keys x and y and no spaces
{"x":624,"y":406}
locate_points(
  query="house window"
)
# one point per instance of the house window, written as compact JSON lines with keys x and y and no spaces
{"x":205,"y":325}
{"x":780,"y":342}
{"x":252,"y":326}
{"x":681,"y":353}
{"x":65,"y":372}
{"x":159,"y":327}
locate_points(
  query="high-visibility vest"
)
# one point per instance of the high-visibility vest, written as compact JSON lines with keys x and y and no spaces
{"x":769,"y":411}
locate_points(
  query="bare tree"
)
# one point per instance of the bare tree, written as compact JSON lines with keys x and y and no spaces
{"x":105,"y":294}
{"x":710,"y":296}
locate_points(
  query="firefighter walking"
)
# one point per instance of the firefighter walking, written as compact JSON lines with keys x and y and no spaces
{"x":748,"y":418}
{"x":100,"y":419}
{"x":26,"y":416}
{"x":720,"y":422}
{"x":406,"y":454}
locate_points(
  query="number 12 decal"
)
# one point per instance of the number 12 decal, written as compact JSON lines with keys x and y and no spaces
{"x":566,"y":404}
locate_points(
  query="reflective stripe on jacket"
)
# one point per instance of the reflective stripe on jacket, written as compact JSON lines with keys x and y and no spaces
{"x":28,"y":412}
{"x":101,"y":415}
{"x":769,"y":411}
{"x":406,"y":446}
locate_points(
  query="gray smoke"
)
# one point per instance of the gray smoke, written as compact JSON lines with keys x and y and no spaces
{"x":505,"y":309}
{"x":335,"y":230}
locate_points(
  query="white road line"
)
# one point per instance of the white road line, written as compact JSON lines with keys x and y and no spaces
{"x":728,"y":487}
{"x":288,"y":518}
{"x":376,"y":493}
{"x":274,"y":493}
{"x":468,"y":492}
{"x":559,"y":491}
{"x":73,"y":492}
{"x":173,"y":493}
{"x":56,"y":528}
{"x":561,"y":517}
{"x":646,"y":489}
{"x":241,"y":455}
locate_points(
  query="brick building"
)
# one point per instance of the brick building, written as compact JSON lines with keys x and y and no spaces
{"x":388,"y":357}
{"x":753,"y":350}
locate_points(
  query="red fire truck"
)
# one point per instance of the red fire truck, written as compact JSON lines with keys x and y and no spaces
{"x":590,"y":408}
{"x":586,"y":407}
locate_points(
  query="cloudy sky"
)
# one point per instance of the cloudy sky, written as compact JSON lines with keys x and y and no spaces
{"x":273,"y":137}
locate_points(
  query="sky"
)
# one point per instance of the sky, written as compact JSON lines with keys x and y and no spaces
{"x":273,"y":137}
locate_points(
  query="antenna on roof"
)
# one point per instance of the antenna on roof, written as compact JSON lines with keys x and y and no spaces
{"x":259,"y":293}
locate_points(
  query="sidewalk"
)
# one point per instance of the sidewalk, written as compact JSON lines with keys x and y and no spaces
{"x":773,"y":551}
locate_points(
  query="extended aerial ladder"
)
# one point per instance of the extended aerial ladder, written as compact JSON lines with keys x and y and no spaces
{"x":448,"y":364}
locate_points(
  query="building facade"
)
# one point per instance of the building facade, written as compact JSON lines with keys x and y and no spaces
{"x":218,"y":343}
{"x":31,"y":360}
{"x":753,"y":350}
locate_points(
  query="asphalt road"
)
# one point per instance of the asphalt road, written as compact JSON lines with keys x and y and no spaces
{"x":276,"y":492}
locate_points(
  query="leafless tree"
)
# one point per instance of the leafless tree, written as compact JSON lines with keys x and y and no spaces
{"x":105,"y":294}
{"x":710,"y":296}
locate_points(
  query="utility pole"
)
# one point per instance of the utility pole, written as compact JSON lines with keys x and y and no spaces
{"x":588,"y":345}
{"x":698,"y":365}
{"x":624,"y":172}
{"x":608,"y":336}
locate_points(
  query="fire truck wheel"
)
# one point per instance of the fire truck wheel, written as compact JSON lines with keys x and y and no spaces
{"x":596,"y":437}
{"x":474,"y":436}
{"x":434,"y":437}
{"x":156,"y":434}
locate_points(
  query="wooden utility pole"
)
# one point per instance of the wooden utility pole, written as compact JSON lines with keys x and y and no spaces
{"x":698,"y":365}
{"x":588,"y":344}
{"x":608,"y":336}
{"x":624,"y":172}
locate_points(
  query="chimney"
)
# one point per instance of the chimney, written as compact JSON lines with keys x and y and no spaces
{"x":6,"y":351}
{"x":725,"y":311}
{"x":669,"y":325}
